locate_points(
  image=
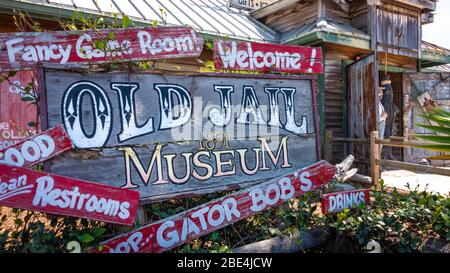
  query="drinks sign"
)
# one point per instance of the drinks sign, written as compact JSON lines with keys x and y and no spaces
{"x":169,"y":136}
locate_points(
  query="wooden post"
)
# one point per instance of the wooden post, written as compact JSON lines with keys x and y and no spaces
{"x":328,"y":153}
{"x":374,"y":156}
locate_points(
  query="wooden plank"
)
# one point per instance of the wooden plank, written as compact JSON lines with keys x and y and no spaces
{"x":271,"y":9}
{"x":27,"y":189}
{"x":201,"y":220}
{"x":338,"y":201}
{"x":375,"y":154}
{"x":139,"y":139}
{"x":264,"y":57}
{"x":15,"y":114}
{"x":25,"y":50}
{"x":413,"y":167}
{"x":37,"y":149}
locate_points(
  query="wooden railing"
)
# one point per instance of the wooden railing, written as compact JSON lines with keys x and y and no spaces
{"x":375,"y":154}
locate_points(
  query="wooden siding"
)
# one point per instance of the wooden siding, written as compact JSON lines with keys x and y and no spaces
{"x":335,"y":13}
{"x":399,"y":30}
{"x":302,"y":13}
{"x":358,"y":14}
{"x":334,"y":93}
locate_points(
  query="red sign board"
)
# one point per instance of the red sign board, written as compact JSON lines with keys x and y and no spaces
{"x":27,"y":189}
{"x":37,"y":149}
{"x":236,"y":55}
{"x":175,"y":230}
{"x":338,"y":201}
{"x":25,"y":50}
{"x":15,"y":114}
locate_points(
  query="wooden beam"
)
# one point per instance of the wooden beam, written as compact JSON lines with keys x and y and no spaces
{"x":342,"y":4}
{"x":422,"y":4}
{"x":374,"y":156}
{"x":427,"y":18}
{"x":413,"y":167}
{"x":271,"y":9}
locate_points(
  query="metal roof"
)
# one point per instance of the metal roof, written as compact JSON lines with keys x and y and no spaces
{"x":210,"y":17}
{"x":330,"y":27}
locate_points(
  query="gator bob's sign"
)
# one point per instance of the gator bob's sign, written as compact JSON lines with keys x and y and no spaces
{"x":169,"y":136}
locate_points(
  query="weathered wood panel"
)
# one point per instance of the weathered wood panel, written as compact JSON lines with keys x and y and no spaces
{"x":293,"y":16}
{"x":263,"y":57}
{"x":358,"y":14}
{"x":398,"y":31}
{"x":25,"y":50}
{"x":26,"y":189}
{"x":362,"y":111}
{"x":15,"y":114}
{"x":160,"y":141}
{"x":176,"y":230}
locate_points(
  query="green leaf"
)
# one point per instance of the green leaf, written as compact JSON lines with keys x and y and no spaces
{"x":18,"y":221}
{"x":27,"y":98}
{"x":437,"y":129}
{"x":111,"y":35}
{"x":439,"y":139}
{"x":99,"y":44}
{"x":126,"y":22}
{"x":85,"y":238}
{"x":32,"y":124}
{"x":439,"y":148}
{"x":445,"y":217}
{"x":438,"y":119}
{"x":274,"y":231}
{"x":439,"y":112}
{"x":439,"y":157}
{"x":98,"y":232}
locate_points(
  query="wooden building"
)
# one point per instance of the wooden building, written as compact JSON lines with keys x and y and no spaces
{"x":362,"y":40}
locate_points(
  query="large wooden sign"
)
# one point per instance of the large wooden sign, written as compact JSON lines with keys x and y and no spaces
{"x":169,"y":136}
{"x":27,"y":189}
{"x":250,"y":4}
{"x":16,"y":114}
{"x":338,"y":201}
{"x":37,"y":148}
{"x":178,"y":229}
{"x":252,"y":56}
{"x":19,"y":51}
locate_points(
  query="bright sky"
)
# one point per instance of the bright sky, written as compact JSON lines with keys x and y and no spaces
{"x":439,"y":31}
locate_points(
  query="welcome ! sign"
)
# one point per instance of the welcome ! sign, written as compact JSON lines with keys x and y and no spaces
{"x":24,"y":50}
{"x":234,"y":55}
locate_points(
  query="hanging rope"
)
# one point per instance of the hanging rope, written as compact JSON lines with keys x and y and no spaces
{"x":385,"y":64}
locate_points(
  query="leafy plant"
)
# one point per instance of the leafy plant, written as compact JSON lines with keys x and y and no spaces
{"x":442,"y":118}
